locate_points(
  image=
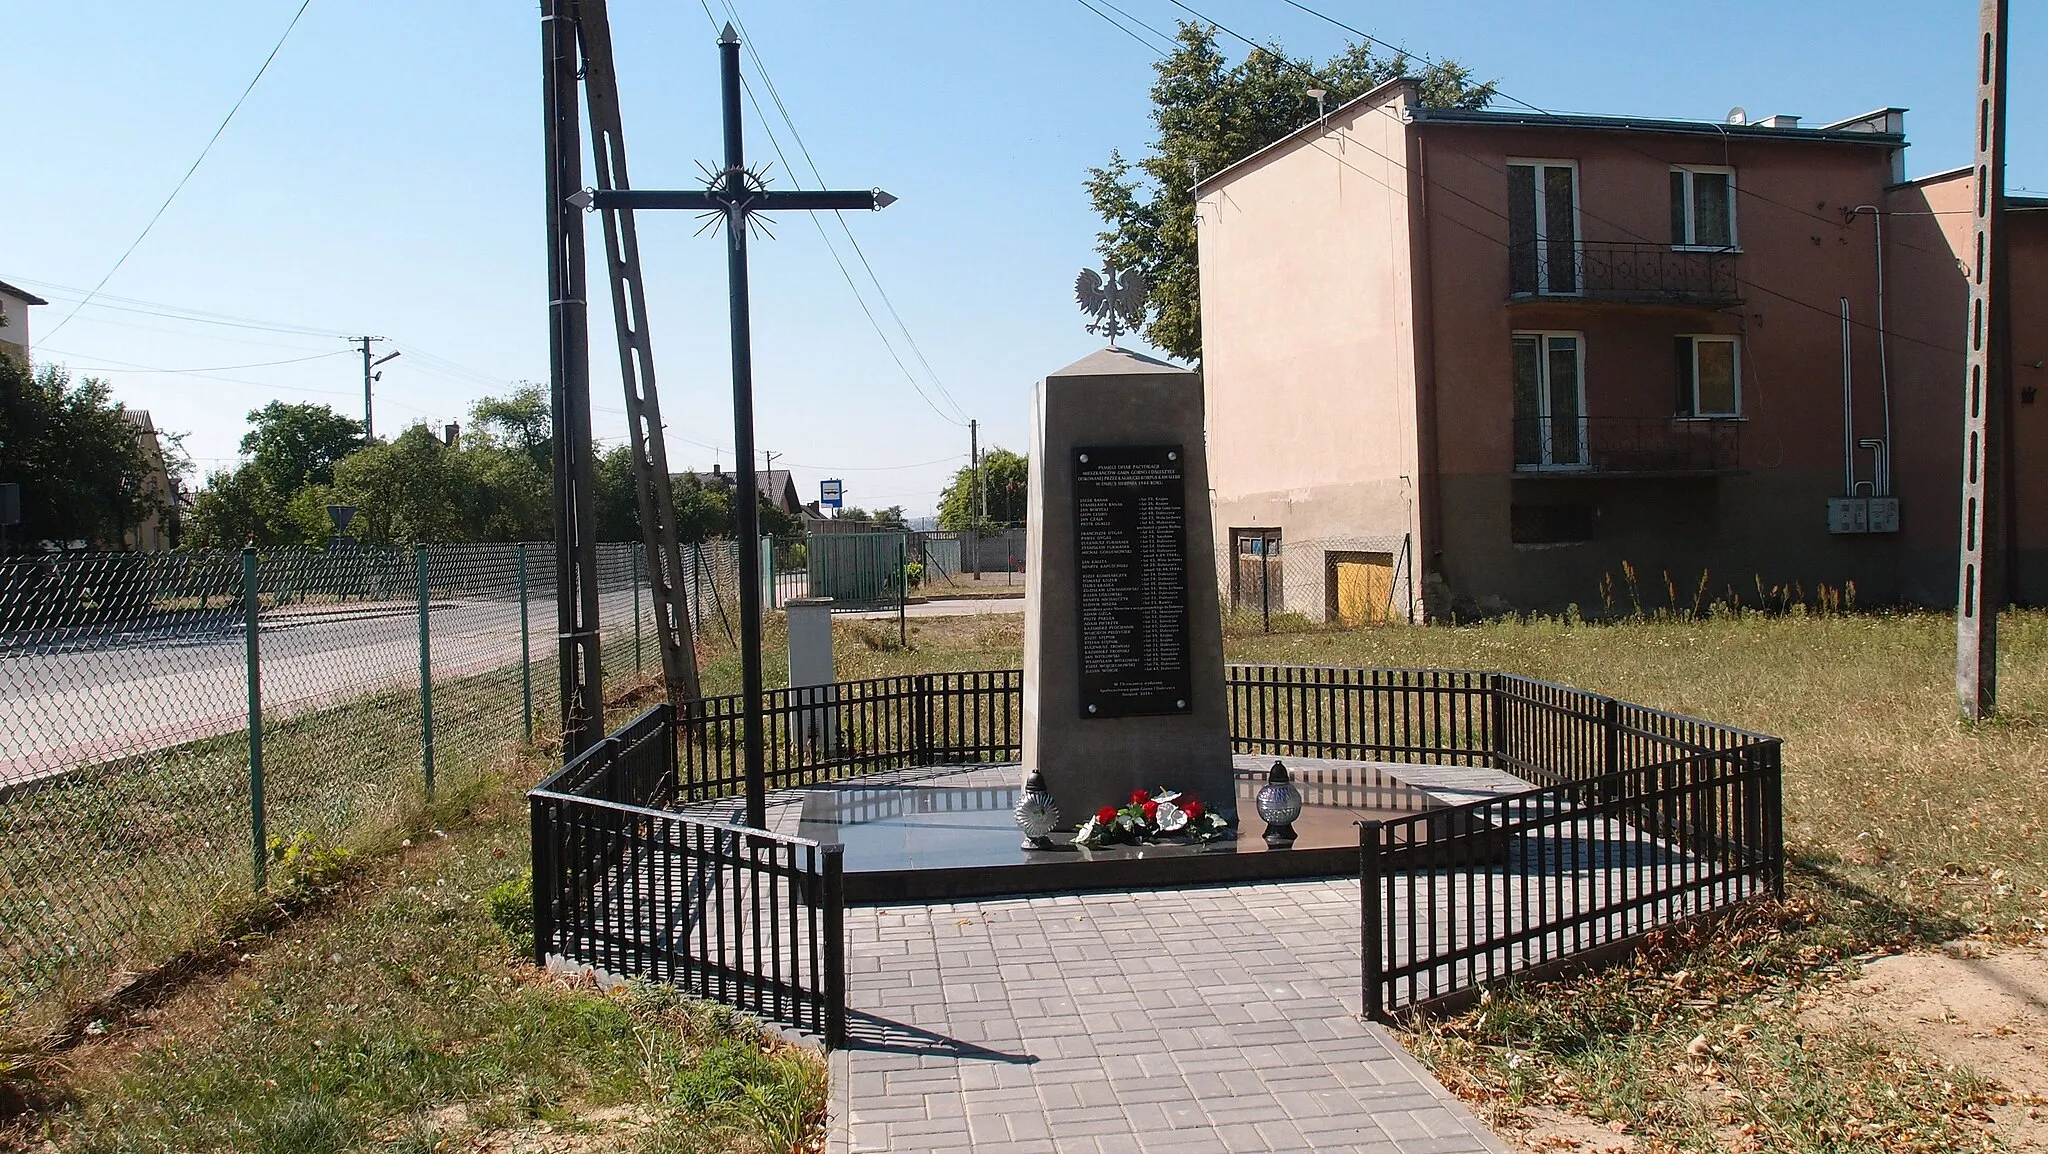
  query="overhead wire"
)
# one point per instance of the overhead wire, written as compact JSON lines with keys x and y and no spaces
{"x":196,"y":161}
{"x":1483,"y":162}
{"x":859,"y":297}
{"x":761,"y":66}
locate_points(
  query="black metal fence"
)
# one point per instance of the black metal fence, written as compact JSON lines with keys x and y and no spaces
{"x":825,"y":733}
{"x":1648,"y":819}
{"x":741,"y":916}
{"x":1637,"y":819}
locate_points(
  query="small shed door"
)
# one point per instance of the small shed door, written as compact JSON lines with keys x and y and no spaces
{"x":1361,"y":588}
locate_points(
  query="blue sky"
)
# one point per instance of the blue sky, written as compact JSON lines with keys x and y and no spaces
{"x":384,"y":178}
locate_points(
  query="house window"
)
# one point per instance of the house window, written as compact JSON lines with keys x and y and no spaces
{"x":1709,"y":376}
{"x":1550,"y":400}
{"x":1543,"y":227}
{"x":1703,"y":207}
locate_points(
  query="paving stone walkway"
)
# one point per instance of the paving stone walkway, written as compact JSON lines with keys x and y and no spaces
{"x":1221,"y":1019}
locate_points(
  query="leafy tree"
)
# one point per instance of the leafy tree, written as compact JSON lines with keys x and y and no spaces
{"x":890,"y":517}
{"x":405,"y":491}
{"x":525,"y":421}
{"x":292,"y":446}
{"x":289,"y":451}
{"x":618,"y":506}
{"x":1210,"y":113}
{"x":1005,"y":478}
{"x":82,"y":471}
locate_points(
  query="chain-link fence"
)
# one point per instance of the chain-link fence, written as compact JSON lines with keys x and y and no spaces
{"x":1282,"y":585}
{"x":160,"y":759}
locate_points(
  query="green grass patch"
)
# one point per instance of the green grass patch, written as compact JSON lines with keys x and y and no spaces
{"x":405,"y":1018}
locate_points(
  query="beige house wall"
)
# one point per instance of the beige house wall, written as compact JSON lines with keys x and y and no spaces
{"x":1308,"y":327}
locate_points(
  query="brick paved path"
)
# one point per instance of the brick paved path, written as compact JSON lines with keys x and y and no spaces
{"x":1218,"y":1019}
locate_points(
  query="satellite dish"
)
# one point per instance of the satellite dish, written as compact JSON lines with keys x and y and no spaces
{"x":1738,"y":115}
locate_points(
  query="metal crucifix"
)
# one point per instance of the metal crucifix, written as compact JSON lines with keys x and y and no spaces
{"x":736,"y":193}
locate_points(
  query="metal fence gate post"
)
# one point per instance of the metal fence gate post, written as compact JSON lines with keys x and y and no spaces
{"x":636,"y":606}
{"x":258,"y":840}
{"x":426,"y":676}
{"x":525,"y":654}
{"x":835,"y":946}
{"x":1371,"y":918}
{"x":902,"y":591}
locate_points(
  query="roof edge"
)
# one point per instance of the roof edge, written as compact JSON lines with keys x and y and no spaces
{"x":1218,"y":178}
{"x":24,"y":294}
{"x":1653,"y":125}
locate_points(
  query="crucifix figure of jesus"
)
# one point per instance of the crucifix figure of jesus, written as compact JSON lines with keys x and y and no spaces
{"x":736,"y":193}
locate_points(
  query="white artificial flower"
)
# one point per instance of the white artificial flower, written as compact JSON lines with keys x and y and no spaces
{"x":1085,"y":833}
{"x":1170,"y":817}
{"x":1165,"y":795}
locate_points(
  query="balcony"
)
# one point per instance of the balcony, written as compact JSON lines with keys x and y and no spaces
{"x":1623,"y":273}
{"x":1627,"y":446}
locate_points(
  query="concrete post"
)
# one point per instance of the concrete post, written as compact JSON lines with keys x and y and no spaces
{"x":813,"y":726}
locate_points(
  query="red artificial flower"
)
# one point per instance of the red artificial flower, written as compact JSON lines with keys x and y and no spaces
{"x":1106,"y":814}
{"x":1140,"y":797}
{"x":1193,"y":808}
{"x":1150,"y":810}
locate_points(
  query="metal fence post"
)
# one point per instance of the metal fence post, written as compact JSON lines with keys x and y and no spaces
{"x":921,"y":719}
{"x":902,"y":592}
{"x":1371,"y":918}
{"x":525,"y":653}
{"x":259,"y":841}
{"x":1266,"y":585}
{"x":636,"y":606}
{"x":426,"y":676}
{"x":543,"y":879}
{"x":835,"y":945}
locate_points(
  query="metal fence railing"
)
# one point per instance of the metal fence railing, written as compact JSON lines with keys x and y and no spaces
{"x":1633,"y":819}
{"x":742,"y":916}
{"x":176,"y":728}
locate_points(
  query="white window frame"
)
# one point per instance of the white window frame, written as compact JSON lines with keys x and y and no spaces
{"x":1735,"y":348}
{"x":1542,"y":219}
{"x":1691,"y":218}
{"x":1543,"y":416}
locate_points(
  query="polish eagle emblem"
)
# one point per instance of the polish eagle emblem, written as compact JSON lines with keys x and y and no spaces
{"x":1114,"y":299}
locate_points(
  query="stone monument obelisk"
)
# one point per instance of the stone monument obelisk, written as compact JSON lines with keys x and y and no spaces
{"x":1123,"y":632}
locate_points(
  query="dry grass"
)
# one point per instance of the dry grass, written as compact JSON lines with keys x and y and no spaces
{"x":1906,"y":828}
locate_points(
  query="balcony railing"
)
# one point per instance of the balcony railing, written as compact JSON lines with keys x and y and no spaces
{"x":1624,"y":445}
{"x":1623,"y":272}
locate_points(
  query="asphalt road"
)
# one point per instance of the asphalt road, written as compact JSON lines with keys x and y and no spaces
{"x":117,"y":693}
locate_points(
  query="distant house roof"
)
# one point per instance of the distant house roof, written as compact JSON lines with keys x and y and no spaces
{"x":22,"y":294}
{"x":776,"y":485}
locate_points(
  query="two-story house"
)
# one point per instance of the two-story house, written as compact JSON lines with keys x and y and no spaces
{"x":14,"y":306}
{"x":1536,"y":346}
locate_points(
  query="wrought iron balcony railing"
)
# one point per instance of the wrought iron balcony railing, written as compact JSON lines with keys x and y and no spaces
{"x":1627,"y":445}
{"x":1625,"y":272}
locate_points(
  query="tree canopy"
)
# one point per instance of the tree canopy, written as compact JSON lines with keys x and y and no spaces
{"x":1210,"y":113}
{"x":1005,"y":478}
{"x":83,"y":473}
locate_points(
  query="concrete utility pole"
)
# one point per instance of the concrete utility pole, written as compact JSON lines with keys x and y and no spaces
{"x":977,"y":504}
{"x":1987,"y":344}
{"x":576,"y":605}
{"x":370,"y":377}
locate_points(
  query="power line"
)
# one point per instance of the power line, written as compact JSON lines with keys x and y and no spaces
{"x":1483,"y":162}
{"x":761,"y":66}
{"x":202,"y":370}
{"x":1740,"y":190}
{"x":832,"y":249}
{"x":180,"y":186}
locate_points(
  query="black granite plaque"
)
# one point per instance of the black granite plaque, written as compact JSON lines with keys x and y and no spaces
{"x":1130,"y":545}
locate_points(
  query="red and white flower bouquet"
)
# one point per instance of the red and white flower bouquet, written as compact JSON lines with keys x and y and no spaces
{"x":1163,"y":815}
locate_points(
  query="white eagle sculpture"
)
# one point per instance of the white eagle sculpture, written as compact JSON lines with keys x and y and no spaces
{"x":1114,"y":298}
